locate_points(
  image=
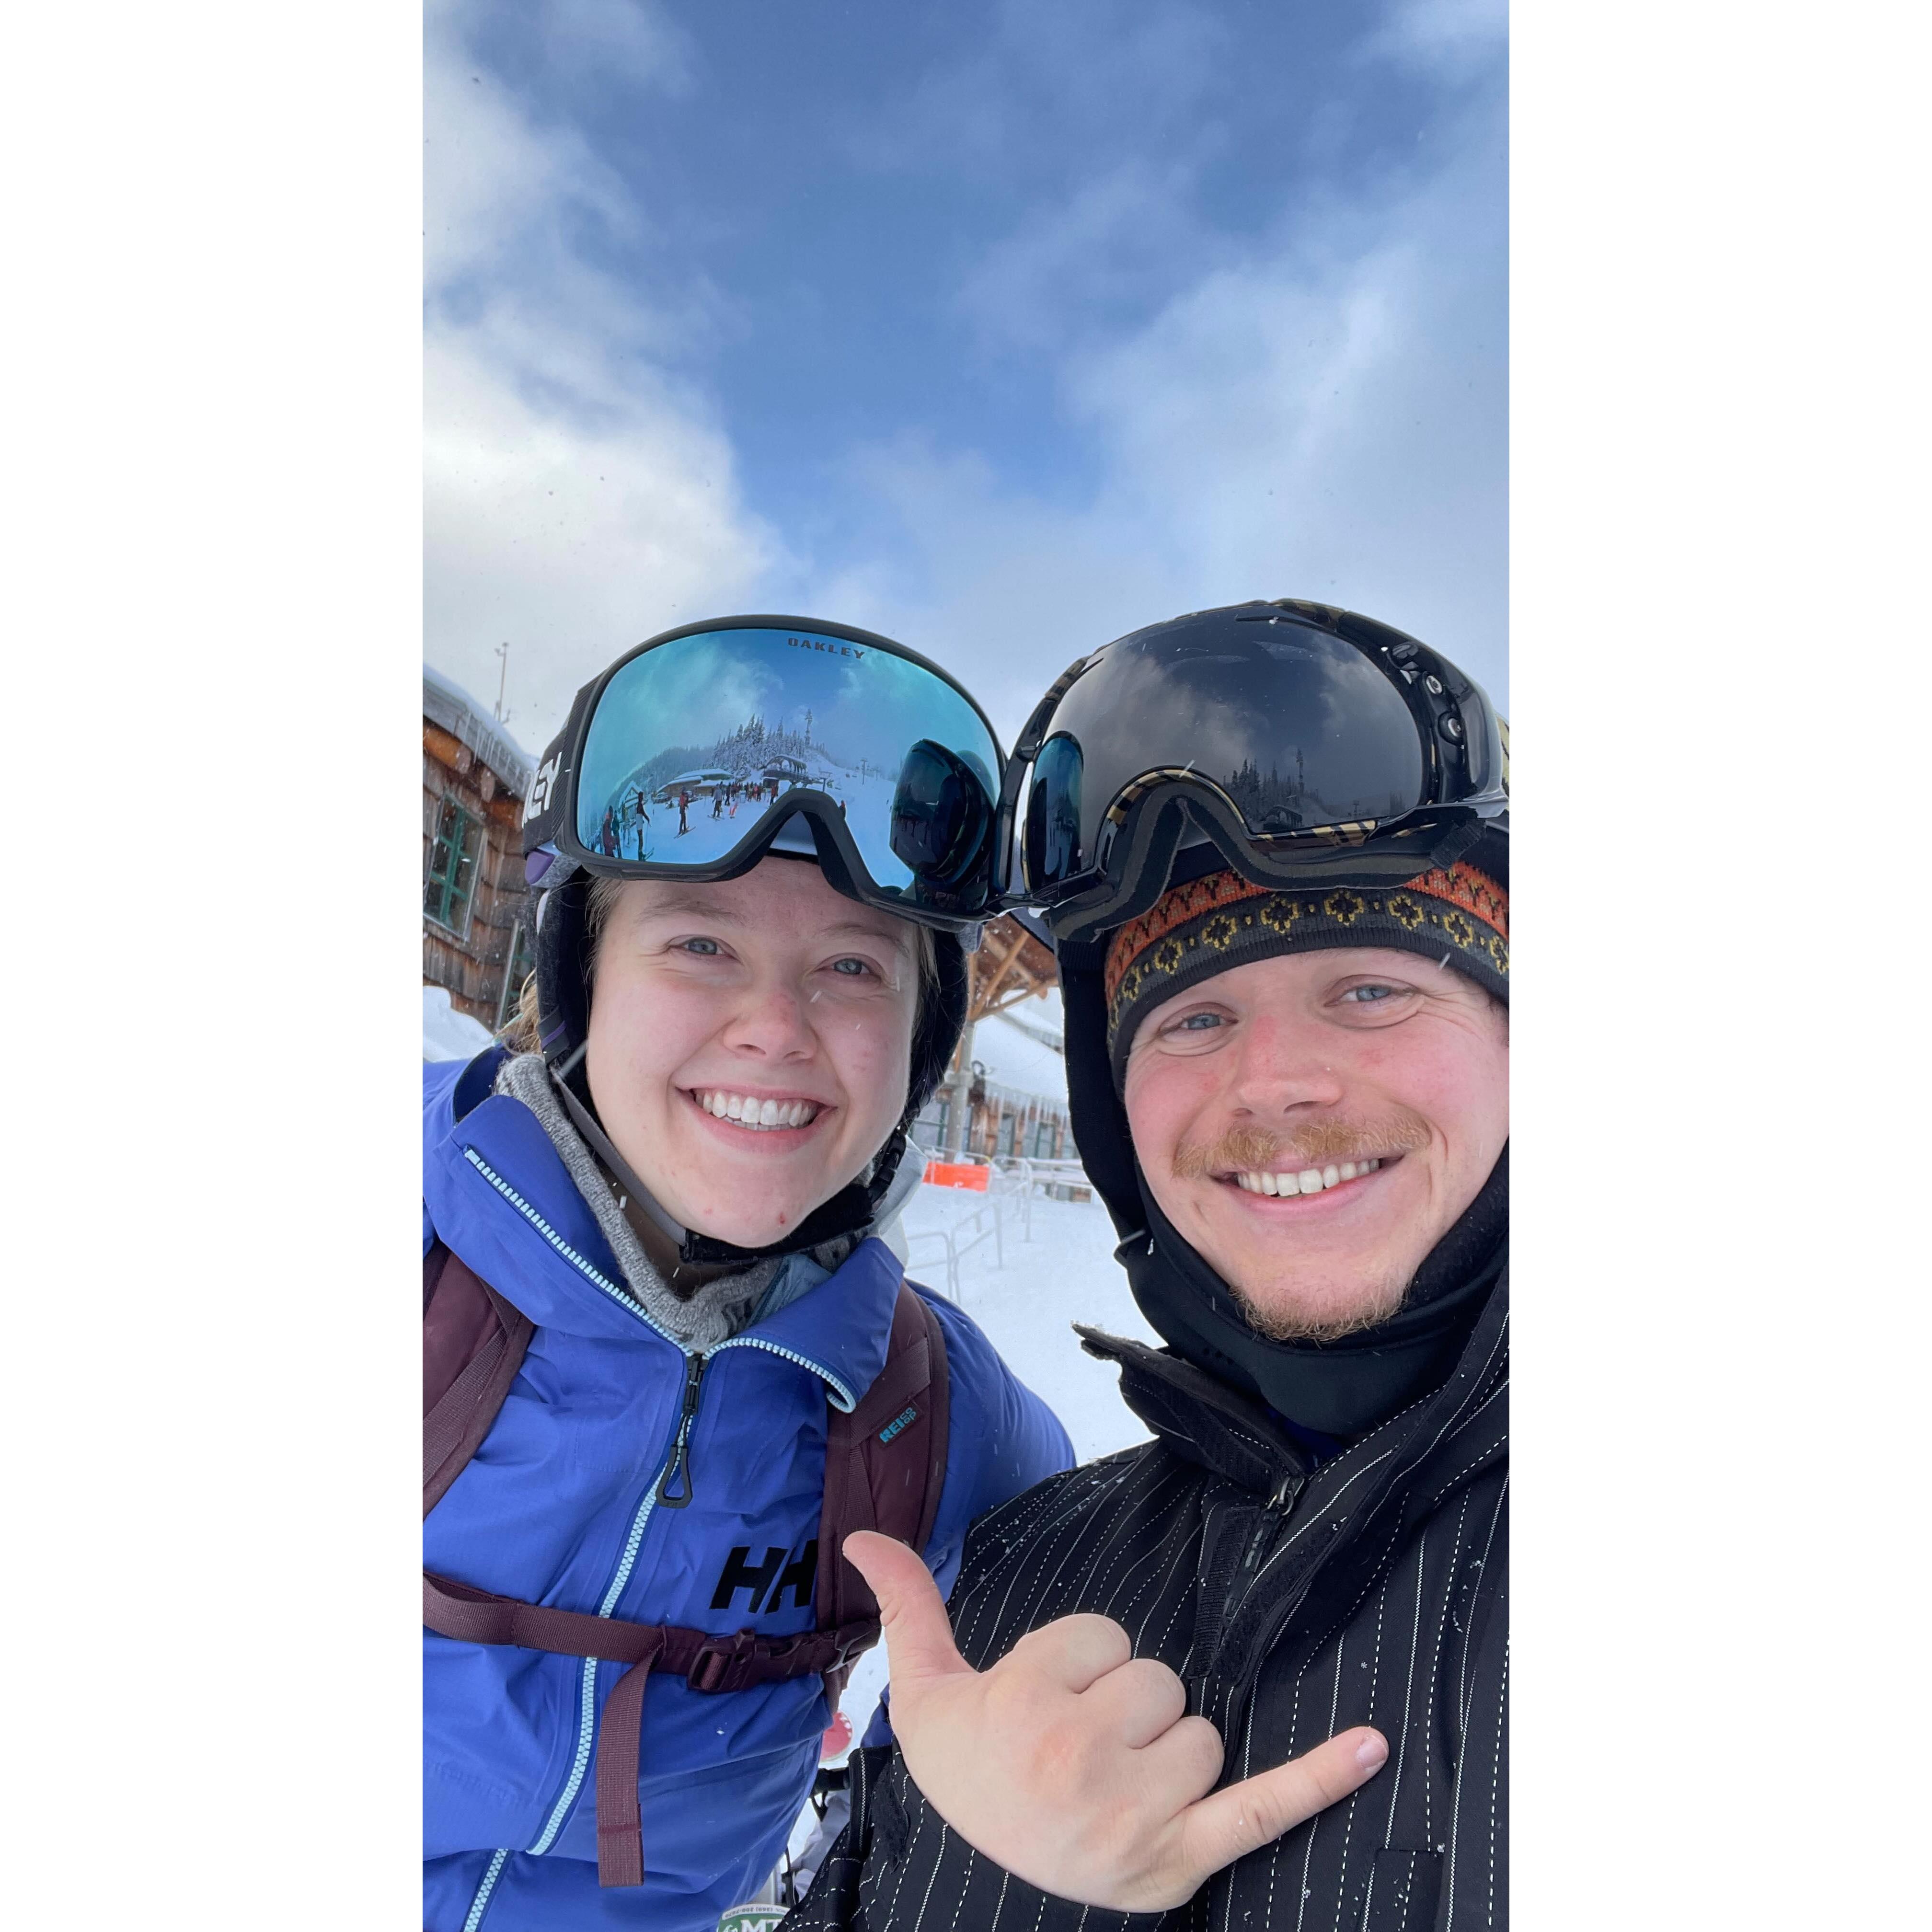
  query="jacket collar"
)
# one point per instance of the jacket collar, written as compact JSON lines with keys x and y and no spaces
{"x":1223,"y":1429}
{"x":499,"y":1195}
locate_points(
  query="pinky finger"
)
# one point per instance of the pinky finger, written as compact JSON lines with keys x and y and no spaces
{"x":1255,"y":1812}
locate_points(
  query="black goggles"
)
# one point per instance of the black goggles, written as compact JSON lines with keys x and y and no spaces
{"x":1306,"y":743}
{"x":692,"y":755}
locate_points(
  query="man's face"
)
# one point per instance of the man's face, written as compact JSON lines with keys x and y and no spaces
{"x":715,"y":1006}
{"x":1309,"y":1065}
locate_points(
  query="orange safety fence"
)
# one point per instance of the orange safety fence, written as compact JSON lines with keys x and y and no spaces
{"x":957,"y":1174}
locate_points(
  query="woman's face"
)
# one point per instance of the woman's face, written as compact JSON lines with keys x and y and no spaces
{"x":751,"y":1043}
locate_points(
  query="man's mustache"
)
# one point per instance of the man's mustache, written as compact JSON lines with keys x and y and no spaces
{"x":1322,"y":1143}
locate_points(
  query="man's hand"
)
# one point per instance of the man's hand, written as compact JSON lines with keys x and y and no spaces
{"x":1072,"y":1763}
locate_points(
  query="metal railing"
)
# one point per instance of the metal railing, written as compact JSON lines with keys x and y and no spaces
{"x":1011,"y":1188}
{"x":985,"y":1223}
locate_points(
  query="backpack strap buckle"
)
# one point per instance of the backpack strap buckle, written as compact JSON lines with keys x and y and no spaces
{"x":726,"y":1663}
{"x":852,"y":1641}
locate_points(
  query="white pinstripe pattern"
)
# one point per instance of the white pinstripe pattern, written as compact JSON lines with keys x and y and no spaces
{"x":1132,"y":1538}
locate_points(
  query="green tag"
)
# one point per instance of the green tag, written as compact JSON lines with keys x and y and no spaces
{"x":751,"y":1918}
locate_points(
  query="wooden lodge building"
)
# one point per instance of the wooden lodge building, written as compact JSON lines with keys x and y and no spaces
{"x":1010,"y":1098}
{"x":476,"y":908}
{"x":1006,"y":1093}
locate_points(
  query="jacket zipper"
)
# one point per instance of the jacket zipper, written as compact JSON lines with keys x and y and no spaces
{"x":679,"y":1464}
{"x":842,"y":1398}
{"x":1268,"y":1521}
{"x":679,"y":1454}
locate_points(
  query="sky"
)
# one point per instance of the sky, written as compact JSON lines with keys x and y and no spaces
{"x":1003,"y":329}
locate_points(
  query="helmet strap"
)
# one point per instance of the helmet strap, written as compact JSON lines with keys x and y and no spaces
{"x":855,"y":1206}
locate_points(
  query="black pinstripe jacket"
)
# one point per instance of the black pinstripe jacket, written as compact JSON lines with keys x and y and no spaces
{"x":1294,"y":1602}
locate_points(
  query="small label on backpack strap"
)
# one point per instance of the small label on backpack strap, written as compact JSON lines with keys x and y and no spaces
{"x":905,"y":1417}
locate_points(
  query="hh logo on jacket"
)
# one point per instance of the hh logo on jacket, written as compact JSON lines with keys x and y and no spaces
{"x":774,"y":1575}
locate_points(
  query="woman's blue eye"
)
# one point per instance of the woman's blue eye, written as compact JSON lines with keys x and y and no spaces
{"x":1198,"y":1022}
{"x":851,"y":968}
{"x":705,"y":948}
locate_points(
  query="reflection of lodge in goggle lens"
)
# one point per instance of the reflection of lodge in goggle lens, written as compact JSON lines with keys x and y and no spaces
{"x":1297,"y":730}
{"x":669,"y":776}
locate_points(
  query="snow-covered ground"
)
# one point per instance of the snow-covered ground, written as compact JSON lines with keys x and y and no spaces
{"x":1065,"y":1273}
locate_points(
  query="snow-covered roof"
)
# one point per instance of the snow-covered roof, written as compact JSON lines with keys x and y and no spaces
{"x":447,"y":1034}
{"x":1008,"y":1044}
{"x":447,"y":703}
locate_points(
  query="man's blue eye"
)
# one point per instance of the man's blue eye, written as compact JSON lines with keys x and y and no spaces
{"x":707,"y":948}
{"x":1368,"y":996}
{"x":1200,"y":1022}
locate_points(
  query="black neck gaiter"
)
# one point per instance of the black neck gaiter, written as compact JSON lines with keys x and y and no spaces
{"x":1345,"y":1388}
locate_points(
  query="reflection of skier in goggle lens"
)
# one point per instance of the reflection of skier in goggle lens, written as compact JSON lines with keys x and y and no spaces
{"x":689,"y":755}
{"x":1305,"y":743}
{"x":705,"y":749}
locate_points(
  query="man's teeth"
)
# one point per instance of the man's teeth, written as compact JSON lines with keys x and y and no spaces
{"x":749,"y":1112}
{"x":1308,"y":1181}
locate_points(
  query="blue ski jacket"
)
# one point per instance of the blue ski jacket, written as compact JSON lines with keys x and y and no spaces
{"x":561,"y":1506}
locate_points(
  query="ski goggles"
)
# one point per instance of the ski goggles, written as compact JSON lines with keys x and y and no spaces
{"x":1306,"y":743}
{"x":695,"y":753}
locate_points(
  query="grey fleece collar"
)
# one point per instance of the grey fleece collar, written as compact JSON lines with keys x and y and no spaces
{"x":716,"y":1312}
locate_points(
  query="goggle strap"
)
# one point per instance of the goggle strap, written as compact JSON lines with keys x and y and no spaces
{"x":587,"y":1124}
{"x":547,"y":806}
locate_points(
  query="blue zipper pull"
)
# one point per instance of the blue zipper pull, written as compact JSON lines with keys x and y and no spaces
{"x":680,"y":1454}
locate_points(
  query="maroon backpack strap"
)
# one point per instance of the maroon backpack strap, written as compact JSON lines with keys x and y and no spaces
{"x":706,"y":1662}
{"x":885,"y":1465}
{"x":473,"y":1345}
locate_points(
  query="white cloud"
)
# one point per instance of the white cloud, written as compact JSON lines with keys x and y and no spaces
{"x":1448,"y":37}
{"x":617,"y":41}
{"x":1117,"y":233}
{"x":1322,"y":414}
{"x":576,"y":496}
{"x":1320,"y":411}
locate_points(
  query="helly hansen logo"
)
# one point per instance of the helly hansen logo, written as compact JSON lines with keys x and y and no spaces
{"x":774,"y":1574}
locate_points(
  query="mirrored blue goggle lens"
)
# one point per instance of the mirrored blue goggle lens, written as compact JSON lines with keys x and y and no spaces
{"x":693,"y":744}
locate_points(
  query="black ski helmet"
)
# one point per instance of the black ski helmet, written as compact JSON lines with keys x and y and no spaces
{"x":1181,"y":762}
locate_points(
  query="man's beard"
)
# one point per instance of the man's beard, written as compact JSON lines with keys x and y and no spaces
{"x":1322,"y":1143}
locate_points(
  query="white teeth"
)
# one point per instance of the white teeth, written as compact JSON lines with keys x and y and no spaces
{"x":1308,"y":1181}
{"x":758,"y":1114}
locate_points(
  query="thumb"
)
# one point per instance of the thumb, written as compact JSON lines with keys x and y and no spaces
{"x":919,"y":1638}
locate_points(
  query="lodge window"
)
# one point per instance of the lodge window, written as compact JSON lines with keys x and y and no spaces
{"x":453,"y":854}
{"x":929,"y":1129}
